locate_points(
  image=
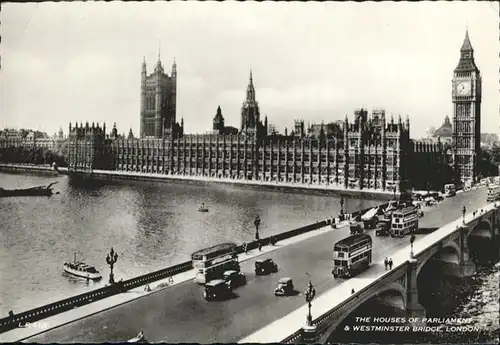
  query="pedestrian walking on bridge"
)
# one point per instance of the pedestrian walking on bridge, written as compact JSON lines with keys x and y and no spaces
{"x":390,"y":263}
{"x":386,"y":263}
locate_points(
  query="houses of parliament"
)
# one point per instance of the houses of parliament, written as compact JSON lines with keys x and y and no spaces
{"x":370,"y":151}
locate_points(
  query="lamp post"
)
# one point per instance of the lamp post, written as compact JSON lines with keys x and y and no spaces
{"x":412,"y":239}
{"x":256,"y":222}
{"x":341,"y":205}
{"x":463,"y":213}
{"x":111,"y":259}
{"x":309,"y":293}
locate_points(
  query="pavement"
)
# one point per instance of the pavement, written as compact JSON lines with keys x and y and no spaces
{"x":179,"y":313}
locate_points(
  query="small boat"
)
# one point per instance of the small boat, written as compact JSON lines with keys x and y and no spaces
{"x":203,"y":208}
{"x":138,"y":339}
{"x":34,"y":191}
{"x":81,"y":269}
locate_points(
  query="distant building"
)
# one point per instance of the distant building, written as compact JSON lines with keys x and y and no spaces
{"x":219,"y":127}
{"x":489,"y":139}
{"x":445,"y":132}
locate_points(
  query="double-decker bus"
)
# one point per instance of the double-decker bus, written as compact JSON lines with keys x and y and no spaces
{"x":211,"y":263}
{"x":352,"y":255}
{"x":404,"y":221}
{"x":493,"y":193}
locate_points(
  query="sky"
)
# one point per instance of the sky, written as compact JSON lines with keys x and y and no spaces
{"x":68,"y":62}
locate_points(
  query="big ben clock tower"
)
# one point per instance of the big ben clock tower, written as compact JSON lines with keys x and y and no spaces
{"x":466,"y":97}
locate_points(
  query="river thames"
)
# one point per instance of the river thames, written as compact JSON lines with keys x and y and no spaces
{"x":154,"y":225}
{"x":150,"y":225}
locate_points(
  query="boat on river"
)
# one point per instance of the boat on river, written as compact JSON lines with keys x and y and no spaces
{"x":34,"y":191}
{"x":81,"y":269}
{"x":203,"y":208}
{"x":138,"y":339}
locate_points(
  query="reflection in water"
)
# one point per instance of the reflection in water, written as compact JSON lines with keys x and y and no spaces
{"x":150,"y":225}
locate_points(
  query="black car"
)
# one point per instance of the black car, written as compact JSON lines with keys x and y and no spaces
{"x":265,"y":266}
{"x":217,"y":289}
{"x":234,"y":278}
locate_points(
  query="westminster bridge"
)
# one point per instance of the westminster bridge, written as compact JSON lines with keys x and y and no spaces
{"x":179,"y":312}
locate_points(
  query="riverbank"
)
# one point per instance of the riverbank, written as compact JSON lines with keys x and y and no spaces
{"x":35,"y":169}
{"x":333,"y":190}
{"x":285,"y":187}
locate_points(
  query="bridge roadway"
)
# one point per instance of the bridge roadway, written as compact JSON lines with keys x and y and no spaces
{"x":180,"y":314}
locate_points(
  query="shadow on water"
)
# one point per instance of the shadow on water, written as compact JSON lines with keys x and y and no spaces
{"x":86,"y":183}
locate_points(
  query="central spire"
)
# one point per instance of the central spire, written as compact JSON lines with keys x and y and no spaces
{"x":250,"y":89}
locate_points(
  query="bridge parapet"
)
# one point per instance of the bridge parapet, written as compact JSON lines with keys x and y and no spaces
{"x":370,"y":284}
{"x":453,"y":237}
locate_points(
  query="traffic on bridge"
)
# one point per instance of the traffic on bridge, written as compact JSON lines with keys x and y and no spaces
{"x":180,"y":313}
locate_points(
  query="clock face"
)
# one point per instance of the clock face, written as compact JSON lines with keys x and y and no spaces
{"x":463,"y":88}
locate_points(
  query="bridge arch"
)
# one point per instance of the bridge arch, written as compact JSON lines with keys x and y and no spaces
{"x":393,"y":294}
{"x":481,"y":242}
{"x":450,"y":252}
{"x":483,"y":229}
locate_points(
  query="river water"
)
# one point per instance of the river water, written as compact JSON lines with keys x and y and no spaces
{"x":150,"y":225}
{"x":155,"y":225}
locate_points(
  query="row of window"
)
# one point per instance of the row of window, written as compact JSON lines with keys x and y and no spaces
{"x":405,"y":225}
{"x":362,"y":256}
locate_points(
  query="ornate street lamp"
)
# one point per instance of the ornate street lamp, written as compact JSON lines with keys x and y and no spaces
{"x":463,"y":213}
{"x":256,"y":222}
{"x":341,"y":205}
{"x":111,"y":259}
{"x":309,"y":293}
{"x":412,"y":239}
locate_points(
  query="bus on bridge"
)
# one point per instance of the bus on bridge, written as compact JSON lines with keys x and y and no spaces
{"x":352,"y":255}
{"x":404,"y":221}
{"x":211,"y":263}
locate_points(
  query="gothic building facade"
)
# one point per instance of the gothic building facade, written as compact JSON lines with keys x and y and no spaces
{"x":466,"y":96}
{"x":371,"y":152}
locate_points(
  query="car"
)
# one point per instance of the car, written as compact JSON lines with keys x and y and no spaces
{"x":234,"y":278}
{"x":285,"y":287}
{"x":217,"y":289}
{"x":265,"y":266}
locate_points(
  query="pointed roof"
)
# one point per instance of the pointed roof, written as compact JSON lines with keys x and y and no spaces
{"x":466,"y":45}
{"x":466,"y":62}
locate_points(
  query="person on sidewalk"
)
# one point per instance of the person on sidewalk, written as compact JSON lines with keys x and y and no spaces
{"x":260,"y":246}
{"x":352,"y":292}
{"x":386,"y":263}
{"x":390,"y":263}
